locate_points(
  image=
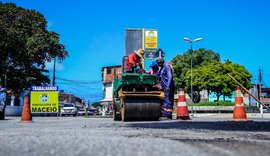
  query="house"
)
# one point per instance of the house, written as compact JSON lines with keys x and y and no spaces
{"x":109,"y":73}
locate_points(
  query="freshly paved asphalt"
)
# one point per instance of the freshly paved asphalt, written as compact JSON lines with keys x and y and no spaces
{"x":206,"y":134}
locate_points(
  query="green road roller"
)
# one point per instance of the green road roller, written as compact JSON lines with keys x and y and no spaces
{"x":136,"y":97}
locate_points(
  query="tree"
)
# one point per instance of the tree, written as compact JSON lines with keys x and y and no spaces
{"x":213,"y":77}
{"x":25,"y":46}
{"x":181,"y":64}
{"x":96,"y":105}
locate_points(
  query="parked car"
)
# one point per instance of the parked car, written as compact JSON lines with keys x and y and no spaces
{"x":93,"y":112}
{"x":81,"y":112}
{"x":69,"y":109}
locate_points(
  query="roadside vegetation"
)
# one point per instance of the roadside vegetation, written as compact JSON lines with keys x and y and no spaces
{"x":26,"y":45}
{"x":209,"y":73}
{"x":220,"y":104}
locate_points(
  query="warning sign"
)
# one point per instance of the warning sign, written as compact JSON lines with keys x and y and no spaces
{"x":44,"y":102}
{"x":151,"y":39}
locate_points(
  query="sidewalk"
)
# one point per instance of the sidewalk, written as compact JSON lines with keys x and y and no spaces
{"x":230,"y":115}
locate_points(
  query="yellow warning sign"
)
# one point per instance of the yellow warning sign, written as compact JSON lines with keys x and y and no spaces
{"x":44,"y":102}
{"x":151,"y":39}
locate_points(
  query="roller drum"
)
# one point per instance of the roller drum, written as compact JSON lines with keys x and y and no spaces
{"x":138,"y":109}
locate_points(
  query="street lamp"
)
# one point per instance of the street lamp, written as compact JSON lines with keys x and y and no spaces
{"x":191,"y":86}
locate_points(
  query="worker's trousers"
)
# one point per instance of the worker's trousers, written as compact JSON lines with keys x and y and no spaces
{"x":168,"y":101}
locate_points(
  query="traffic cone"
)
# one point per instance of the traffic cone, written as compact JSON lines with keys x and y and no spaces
{"x":182,"y":109}
{"x":239,"y":112}
{"x":26,"y":113}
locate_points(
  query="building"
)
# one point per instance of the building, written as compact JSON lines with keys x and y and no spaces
{"x":265,"y":97}
{"x":69,"y":98}
{"x":109,"y":73}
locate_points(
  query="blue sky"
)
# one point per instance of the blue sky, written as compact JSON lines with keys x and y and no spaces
{"x":93,"y":33}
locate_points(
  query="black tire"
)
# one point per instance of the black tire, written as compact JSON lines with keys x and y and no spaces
{"x":116,"y":114}
{"x":2,"y":115}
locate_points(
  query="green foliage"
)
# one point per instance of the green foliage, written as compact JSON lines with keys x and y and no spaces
{"x":181,"y":64}
{"x":213,"y":77}
{"x":25,"y":46}
{"x":208,"y":73}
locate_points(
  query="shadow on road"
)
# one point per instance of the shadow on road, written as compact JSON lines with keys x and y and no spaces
{"x":217,"y":125}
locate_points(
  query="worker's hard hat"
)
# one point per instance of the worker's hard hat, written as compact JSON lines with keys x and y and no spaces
{"x":140,"y":53}
{"x":153,"y":64}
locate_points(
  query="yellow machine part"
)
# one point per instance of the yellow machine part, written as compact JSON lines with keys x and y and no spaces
{"x":150,"y":94}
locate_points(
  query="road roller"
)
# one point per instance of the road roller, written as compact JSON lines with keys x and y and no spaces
{"x":136,"y":97}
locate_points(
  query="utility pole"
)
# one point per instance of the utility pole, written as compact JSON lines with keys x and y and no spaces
{"x":53,"y":82}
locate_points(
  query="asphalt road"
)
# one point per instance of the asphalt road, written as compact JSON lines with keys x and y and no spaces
{"x":66,"y":136}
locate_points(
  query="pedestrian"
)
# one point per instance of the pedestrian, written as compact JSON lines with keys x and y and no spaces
{"x":154,"y":68}
{"x":134,"y":61}
{"x":167,"y":84}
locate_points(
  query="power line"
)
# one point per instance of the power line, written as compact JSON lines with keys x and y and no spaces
{"x":79,"y":81}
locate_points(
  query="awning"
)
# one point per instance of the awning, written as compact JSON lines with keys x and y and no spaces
{"x":106,"y":101}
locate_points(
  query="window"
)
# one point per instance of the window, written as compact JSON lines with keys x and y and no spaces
{"x":109,"y":71}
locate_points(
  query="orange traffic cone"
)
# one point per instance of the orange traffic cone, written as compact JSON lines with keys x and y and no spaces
{"x":182,"y":110}
{"x":26,"y":114}
{"x":239,"y":112}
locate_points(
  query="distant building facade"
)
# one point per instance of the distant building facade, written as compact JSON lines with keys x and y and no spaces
{"x":109,"y":73}
{"x":69,"y":98}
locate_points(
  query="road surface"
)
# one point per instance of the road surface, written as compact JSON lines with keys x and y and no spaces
{"x":66,"y":136}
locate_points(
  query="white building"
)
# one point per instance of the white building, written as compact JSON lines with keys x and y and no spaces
{"x":109,"y":73}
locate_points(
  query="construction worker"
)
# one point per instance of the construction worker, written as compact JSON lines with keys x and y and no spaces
{"x":154,"y":68}
{"x":134,"y":60}
{"x":167,"y":84}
